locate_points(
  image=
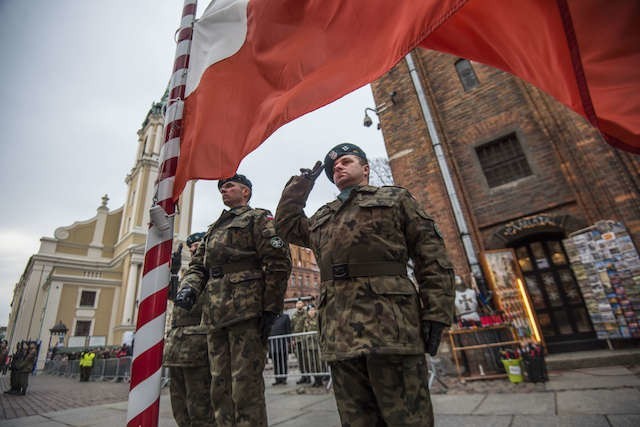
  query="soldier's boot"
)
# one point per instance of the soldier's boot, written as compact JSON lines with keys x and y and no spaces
{"x":317,"y":382}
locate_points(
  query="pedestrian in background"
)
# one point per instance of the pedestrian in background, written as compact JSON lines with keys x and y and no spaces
{"x":297,"y":322}
{"x":16,"y":359}
{"x":243,"y":266}
{"x":315,"y":364}
{"x":86,"y":365}
{"x":185,"y":353}
{"x":279,"y":347}
{"x":371,"y":316}
{"x":4,"y":356}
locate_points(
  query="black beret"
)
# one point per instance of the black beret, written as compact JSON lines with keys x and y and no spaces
{"x":339,"y":151}
{"x":195,"y":237}
{"x":240,"y":179}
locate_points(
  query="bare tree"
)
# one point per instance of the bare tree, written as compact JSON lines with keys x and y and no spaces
{"x":380,"y":172}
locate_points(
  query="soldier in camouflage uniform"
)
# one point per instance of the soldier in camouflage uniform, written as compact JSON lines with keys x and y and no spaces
{"x":297,"y":323}
{"x":314,"y":363}
{"x":375,"y":324}
{"x":243,"y":267}
{"x":185,"y":353}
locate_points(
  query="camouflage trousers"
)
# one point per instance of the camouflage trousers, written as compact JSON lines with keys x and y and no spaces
{"x":237,"y":356}
{"x":190,"y":400}
{"x":382,"y":390}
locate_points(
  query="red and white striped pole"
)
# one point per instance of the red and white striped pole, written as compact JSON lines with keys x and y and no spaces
{"x":144,"y":390}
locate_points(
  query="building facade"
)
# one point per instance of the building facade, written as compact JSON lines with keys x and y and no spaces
{"x":304,"y":281}
{"x":88,"y":275}
{"x":499,"y":164}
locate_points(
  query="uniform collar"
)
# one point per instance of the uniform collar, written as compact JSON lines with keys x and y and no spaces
{"x":238,"y":211}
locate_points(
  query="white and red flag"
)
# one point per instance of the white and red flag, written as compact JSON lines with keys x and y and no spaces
{"x":258,"y":64}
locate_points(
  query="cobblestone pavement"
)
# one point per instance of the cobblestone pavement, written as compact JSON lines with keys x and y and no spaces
{"x":52,"y":393}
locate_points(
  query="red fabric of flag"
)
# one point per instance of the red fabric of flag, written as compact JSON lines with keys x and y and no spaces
{"x":585,"y":53}
{"x":299,"y":55}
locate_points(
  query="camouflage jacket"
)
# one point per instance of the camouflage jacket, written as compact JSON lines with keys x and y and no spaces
{"x":310,"y":324}
{"x":242,"y":265}
{"x":186,"y":341}
{"x":26,"y":364}
{"x":367,"y":302}
{"x":297,"y":320}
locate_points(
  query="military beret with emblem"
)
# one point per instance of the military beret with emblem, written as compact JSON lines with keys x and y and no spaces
{"x":240,"y":179}
{"x":339,"y":151}
{"x":195,"y":237}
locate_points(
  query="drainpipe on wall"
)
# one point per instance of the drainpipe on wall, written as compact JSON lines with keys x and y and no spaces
{"x":463,"y":230}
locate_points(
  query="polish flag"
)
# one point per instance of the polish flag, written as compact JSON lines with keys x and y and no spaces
{"x":258,"y":64}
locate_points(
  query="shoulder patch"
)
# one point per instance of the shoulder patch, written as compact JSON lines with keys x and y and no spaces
{"x":277,"y":242}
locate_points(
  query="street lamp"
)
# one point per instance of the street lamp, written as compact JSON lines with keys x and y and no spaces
{"x":59,"y":330}
{"x":367,"y":122}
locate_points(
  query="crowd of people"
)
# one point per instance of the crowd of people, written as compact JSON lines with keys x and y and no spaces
{"x":21,"y":364}
{"x":374,"y":323}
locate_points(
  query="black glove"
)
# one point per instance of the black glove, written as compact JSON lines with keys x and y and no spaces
{"x":432,"y":332}
{"x":312,"y":174}
{"x":266,"y":322}
{"x":186,"y":297}
{"x":176,"y":260}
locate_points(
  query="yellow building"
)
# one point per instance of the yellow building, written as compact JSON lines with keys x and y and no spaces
{"x":88,"y":275}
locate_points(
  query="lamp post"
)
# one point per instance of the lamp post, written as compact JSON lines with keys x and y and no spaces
{"x":58,"y":330}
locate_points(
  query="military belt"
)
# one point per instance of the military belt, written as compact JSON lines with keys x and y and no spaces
{"x":371,"y":269}
{"x":219,"y":271}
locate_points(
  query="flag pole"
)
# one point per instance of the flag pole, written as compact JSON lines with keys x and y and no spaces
{"x":144,"y":389}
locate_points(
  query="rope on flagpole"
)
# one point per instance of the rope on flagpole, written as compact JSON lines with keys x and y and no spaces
{"x":144,"y":389}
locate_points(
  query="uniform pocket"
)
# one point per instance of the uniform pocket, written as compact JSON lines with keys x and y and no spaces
{"x":396,"y":308}
{"x":377,"y":214}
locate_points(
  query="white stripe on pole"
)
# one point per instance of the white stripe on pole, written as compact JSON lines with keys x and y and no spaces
{"x":151,"y":281}
{"x":144,"y":395}
{"x":145,"y":338}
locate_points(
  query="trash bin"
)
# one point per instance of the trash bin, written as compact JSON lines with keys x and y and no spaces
{"x":535,"y":368}
{"x":513,"y":367}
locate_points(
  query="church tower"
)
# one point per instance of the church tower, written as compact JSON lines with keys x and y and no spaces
{"x":86,"y":279}
{"x":135,"y":215}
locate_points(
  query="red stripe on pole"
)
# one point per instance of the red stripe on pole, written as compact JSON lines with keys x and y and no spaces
{"x":174,"y":130}
{"x":181,"y":62}
{"x":177,"y":92}
{"x":189,"y":9}
{"x":156,"y":256}
{"x":168,"y":168}
{"x":148,"y":417}
{"x":167,"y":205}
{"x":185,"y":34}
{"x":153,"y":306}
{"x":146,"y":364}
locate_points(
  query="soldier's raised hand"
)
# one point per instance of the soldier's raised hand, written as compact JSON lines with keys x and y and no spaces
{"x":313,"y":173}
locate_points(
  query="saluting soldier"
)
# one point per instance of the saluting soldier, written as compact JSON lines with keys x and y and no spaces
{"x":243,"y":267}
{"x":185,"y":353}
{"x":375,"y":324}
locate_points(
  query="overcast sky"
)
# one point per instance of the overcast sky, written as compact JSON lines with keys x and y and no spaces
{"x":78,"y":78}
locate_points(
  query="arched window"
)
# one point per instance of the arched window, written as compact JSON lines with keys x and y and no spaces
{"x":466,"y":74}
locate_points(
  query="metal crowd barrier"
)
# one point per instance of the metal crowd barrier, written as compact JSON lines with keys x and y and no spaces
{"x":117,"y":369}
{"x":295,"y":355}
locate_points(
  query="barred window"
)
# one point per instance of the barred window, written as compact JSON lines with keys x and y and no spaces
{"x":83,"y":328}
{"x":88,"y":299}
{"x":466,"y":74}
{"x":503,"y":160}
